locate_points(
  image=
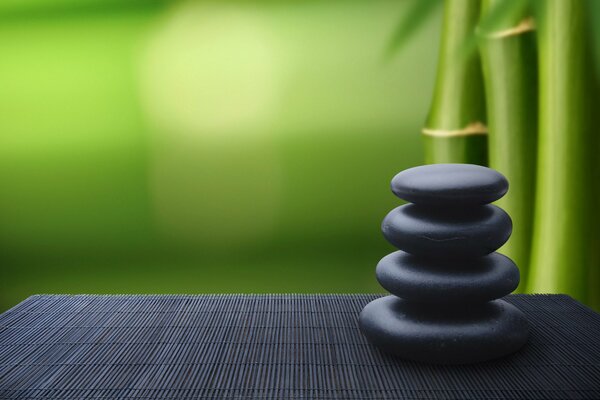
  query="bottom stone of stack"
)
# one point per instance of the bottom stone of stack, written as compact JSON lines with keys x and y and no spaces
{"x":444,"y":334}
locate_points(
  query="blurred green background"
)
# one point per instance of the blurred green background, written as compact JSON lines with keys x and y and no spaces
{"x":188,"y":146}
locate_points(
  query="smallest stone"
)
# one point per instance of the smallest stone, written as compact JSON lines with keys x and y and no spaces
{"x":450,"y":185}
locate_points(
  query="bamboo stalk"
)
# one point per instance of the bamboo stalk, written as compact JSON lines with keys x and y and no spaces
{"x":593,"y":299}
{"x":562,"y":249}
{"x":454,"y":129}
{"x":508,"y":56}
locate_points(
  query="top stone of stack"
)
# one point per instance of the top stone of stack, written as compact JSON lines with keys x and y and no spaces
{"x":450,"y":185}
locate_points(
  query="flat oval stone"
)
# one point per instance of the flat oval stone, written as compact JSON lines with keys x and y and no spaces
{"x":442,"y":336}
{"x":428,"y":280}
{"x":434,"y":232}
{"x":450,"y":184}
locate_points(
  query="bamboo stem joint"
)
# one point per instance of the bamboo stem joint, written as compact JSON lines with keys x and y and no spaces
{"x":526,"y":25}
{"x":474,"y":128}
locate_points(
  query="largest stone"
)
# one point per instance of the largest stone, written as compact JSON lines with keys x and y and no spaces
{"x":442,"y":335}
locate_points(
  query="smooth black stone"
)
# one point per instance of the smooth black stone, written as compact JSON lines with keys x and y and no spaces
{"x":439,"y":336}
{"x":447,"y":233}
{"x":450,"y":184}
{"x":425,"y":280}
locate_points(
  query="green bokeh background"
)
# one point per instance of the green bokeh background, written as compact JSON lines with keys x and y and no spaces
{"x":189,"y":147}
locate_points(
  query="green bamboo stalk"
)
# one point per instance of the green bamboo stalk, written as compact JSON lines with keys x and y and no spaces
{"x":508,"y":56}
{"x":454,"y":131}
{"x":562,"y":250}
{"x":593,"y":299}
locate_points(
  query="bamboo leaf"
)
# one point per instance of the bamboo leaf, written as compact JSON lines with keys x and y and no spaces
{"x":417,"y":13}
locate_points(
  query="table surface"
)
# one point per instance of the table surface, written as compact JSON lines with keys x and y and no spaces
{"x":270,"y":347}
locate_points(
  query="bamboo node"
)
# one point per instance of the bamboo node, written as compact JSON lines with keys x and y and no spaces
{"x":472,"y":129}
{"x":526,"y":25}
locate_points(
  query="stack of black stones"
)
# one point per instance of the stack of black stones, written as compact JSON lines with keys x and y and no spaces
{"x":446,"y":278}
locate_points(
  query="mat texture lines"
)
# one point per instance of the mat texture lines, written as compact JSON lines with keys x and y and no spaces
{"x":270,"y":347}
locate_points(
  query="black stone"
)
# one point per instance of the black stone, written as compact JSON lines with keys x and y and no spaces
{"x":447,"y":233}
{"x":449,"y":185}
{"x":444,"y":336}
{"x":446,"y":276}
{"x":425,"y":280}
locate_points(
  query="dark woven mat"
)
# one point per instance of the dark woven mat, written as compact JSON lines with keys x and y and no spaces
{"x":270,"y":347}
